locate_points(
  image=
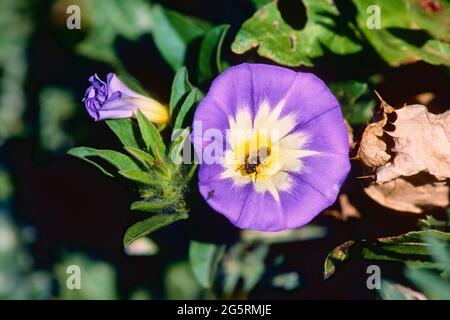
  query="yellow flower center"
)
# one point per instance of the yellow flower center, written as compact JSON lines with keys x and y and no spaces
{"x":263,"y":150}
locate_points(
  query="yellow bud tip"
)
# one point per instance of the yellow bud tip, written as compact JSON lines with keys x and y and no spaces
{"x":153,"y":110}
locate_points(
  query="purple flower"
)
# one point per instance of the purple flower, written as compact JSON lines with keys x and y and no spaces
{"x":286,"y":147}
{"x":114,"y":100}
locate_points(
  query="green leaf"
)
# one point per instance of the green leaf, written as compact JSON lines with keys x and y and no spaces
{"x":97,"y":281}
{"x":56,"y":107}
{"x":434,"y":286}
{"x":152,"y":206}
{"x":356,"y":103}
{"x":142,"y":156}
{"x":407,"y":47}
{"x":278,"y":41}
{"x":204,"y":259}
{"x":172,"y":32}
{"x":149,"y":225}
{"x":338,"y":254}
{"x":180,"y":283}
{"x":395,"y":291}
{"x":209,"y":61}
{"x":151,"y":136}
{"x":408,"y":248}
{"x":410,"y":14}
{"x":180,"y":88}
{"x":105,"y":21}
{"x":243,"y":262}
{"x":117,"y":159}
{"x":124,"y":130}
{"x":139,"y":176}
{"x":179,"y":138}
{"x":193,"y":97}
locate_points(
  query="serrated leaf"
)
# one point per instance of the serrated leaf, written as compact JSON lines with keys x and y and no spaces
{"x":149,"y":225}
{"x":409,"y":248}
{"x":172,"y":32}
{"x":180,"y":88}
{"x":151,"y":136}
{"x":278,"y":41}
{"x":139,"y":176}
{"x":193,"y":97}
{"x":209,"y":61}
{"x":204,"y":259}
{"x":142,"y":156}
{"x":117,"y":159}
{"x":124,"y":130}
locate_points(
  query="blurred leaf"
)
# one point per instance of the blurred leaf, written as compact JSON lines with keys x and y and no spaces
{"x":15,"y":29}
{"x":193,"y":97}
{"x":98,"y":279}
{"x":117,"y":159}
{"x":408,"y":248}
{"x":6,"y":186}
{"x":123,"y":129}
{"x":56,"y":107}
{"x":434,"y":286}
{"x":19,"y":279}
{"x":278,"y":41}
{"x":142,"y":156}
{"x":409,"y":47}
{"x":349,"y":93}
{"x":309,"y":232}
{"x":180,"y":88}
{"x":246,"y":264}
{"x":393,"y":291}
{"x":204,"y":259}
{"x":107,"y":20}
{"x":149,"y":225}
{"x":172,"y":32}
{"x":180,"y":283}
{"x":141,"y":294}
{"x":151,"y":136}
{"x":286,"y":281}
{"x":210,"y":61}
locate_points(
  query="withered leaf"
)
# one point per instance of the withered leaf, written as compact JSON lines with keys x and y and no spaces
{"x":408,"y":151}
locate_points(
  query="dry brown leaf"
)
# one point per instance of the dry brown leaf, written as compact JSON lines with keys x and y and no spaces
{"x":372,"y":148}
{"x":347,"y":209}
{"x":421,"y":144}
{"x":410,"y":194}
{"x":409,"y":152}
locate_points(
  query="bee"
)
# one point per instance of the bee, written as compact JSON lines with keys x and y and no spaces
{"x":253,"y":161}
